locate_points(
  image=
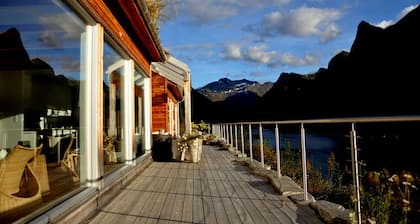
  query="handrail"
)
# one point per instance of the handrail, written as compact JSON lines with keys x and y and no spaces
{"x":337,"y":120}
{"x":225,"y":131}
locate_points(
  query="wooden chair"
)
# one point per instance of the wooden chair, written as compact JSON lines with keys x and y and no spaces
{"x":19,"y":185}
{"x":70,"y":158}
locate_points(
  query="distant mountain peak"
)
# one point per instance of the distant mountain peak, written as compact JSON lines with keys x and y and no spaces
{"x":225,"y":87}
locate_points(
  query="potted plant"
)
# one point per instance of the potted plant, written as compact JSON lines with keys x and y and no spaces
{"x":190,"y":146}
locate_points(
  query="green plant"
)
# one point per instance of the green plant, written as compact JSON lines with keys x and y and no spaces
{"x":155,"y":8}
{"x":201,"y":127}
{"x":387,"y":198}
{"x":185,"y":141}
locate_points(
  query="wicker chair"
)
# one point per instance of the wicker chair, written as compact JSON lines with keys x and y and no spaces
{"x":19,"y":185}
{"x":70,"y":158}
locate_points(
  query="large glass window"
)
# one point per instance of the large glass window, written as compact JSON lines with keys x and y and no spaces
{"x":40,"y":75}
{"x":139,"y":147}
{"x":113,"y":96}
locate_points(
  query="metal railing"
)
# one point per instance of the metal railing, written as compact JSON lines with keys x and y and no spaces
{"x":228,"y":132}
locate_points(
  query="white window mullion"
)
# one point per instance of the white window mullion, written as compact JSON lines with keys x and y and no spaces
{"x":91,"y":95}
{"x":128,"y":110}
{"x":148,"y":114}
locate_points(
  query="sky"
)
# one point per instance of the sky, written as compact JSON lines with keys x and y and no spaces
{"x":260,"y":39}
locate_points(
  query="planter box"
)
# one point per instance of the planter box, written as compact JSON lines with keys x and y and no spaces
{"x":194,"y":152}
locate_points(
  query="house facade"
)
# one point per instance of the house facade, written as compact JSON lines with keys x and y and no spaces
{"x":76,"y":96}
{"x":171,"y":97}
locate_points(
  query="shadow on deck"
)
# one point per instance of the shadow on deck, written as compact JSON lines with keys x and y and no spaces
{"x":216,"y":190}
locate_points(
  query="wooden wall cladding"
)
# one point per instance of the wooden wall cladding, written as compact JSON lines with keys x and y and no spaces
{"x":103,"y":15}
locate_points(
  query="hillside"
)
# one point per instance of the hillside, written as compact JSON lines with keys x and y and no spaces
{"x":224,"y":88}
{"x":378,"y":76}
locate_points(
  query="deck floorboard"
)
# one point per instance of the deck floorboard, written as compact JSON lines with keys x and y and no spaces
{"x":214,"y":190}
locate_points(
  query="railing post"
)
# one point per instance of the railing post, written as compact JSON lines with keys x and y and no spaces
{"x":305,"y":175}
{"x":231,"y":135}
{"x":261,"y":147}
{"x":224,"y":132}
{"x":236,"y":138}
{"x":355,"y":169}
{"x":278,"y":150}
{"x":227,"y":134}
{"x":250,"y":142}
{"x":242,"y":140}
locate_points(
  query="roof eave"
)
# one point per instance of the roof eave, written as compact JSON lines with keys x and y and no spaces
{"x":138,"y":16}
{"x":154,"y":36}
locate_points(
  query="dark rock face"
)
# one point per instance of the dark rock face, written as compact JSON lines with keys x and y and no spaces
{"x":377,"y":77}
{"x":28,"y":85}
{"x":224,"y":88}
{"x":12,"y":51}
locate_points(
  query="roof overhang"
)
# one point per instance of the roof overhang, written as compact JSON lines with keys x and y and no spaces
{"x":138,"y":16}
{"x":173,"y":70}
{"x":176,"y":92}
{"x":127,"y":22}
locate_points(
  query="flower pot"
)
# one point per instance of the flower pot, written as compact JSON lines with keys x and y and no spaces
{"x":195,"y":150}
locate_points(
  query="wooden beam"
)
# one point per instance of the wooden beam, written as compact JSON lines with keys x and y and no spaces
{"x":102,"y":14}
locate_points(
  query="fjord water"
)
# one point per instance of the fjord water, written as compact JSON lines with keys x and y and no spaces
{"x":390,"y":146}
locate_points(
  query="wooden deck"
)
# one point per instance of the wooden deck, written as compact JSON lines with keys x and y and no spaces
{"x":216,"y":190}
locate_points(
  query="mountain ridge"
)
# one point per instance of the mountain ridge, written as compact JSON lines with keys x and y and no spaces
{"x":377,"y":77}
{"x":224,"y":88}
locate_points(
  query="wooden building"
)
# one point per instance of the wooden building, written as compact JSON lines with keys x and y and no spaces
{"x":82,"y":77}
{"x":171,"y":97}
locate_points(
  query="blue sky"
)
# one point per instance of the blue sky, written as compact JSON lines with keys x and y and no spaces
{"x":260,"y":39}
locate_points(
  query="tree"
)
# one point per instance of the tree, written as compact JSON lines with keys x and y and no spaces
{"x":155,"y":8}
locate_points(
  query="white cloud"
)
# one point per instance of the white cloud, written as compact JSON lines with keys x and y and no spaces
{"x":59,"y":27}
{"x":386,"y":23}
{"x":258,"y":55}
{"x":232,"y":51}
{"x":261,"y":55}
{"x":199,"y":12}
{"x":304,"y":21}
{"x":406,"y":10}
{"x":206,"y":11}
{"x":331,"y":33}
{"x":192,"y":46}
{"x":288,"y":59}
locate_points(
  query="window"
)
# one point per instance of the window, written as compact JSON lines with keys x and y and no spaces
{"x":113,"y":97}
{"x":139,"y":131}
{"x":40,"y":77}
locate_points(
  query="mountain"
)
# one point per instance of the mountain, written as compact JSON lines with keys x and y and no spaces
{"x":377,"y":77}
{"x":223,"y":88}
{"x":28,"y":85}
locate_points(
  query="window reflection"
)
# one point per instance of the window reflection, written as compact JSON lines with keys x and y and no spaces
{"x":113,"y":99}
{"x":139,"y":148}
{"x":40,"y":111}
